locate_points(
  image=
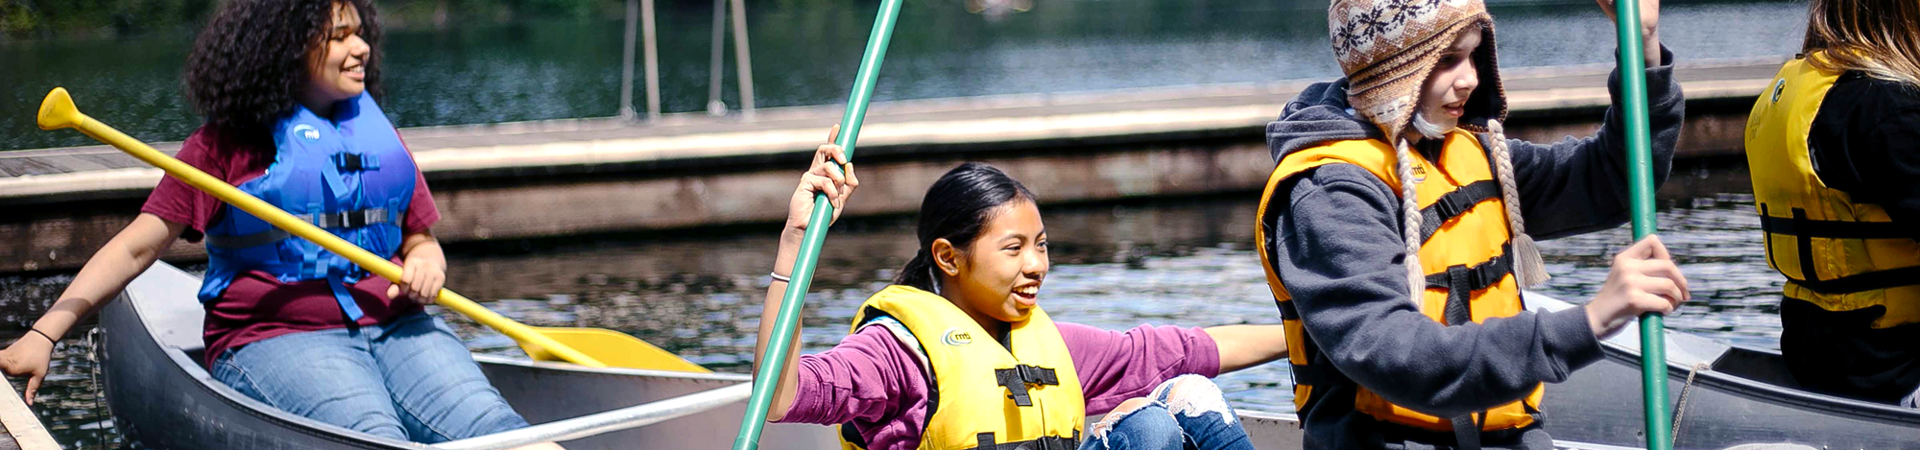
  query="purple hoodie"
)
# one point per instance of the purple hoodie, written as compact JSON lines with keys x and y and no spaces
{"x":873,"y":382}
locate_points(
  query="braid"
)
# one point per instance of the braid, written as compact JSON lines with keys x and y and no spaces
{"x":1410,"y":230}
{"x":1528,"y":268}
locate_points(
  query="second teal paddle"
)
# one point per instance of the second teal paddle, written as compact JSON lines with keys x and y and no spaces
{"x":1653,"y":337}
{"x":774,"y":360}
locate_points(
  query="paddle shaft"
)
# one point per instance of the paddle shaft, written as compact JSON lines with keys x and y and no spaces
{"x":273,"y":215}
{"x":774,"y":360}
{"x":1653,"y":348}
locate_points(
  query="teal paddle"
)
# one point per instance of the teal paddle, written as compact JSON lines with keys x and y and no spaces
{"x":775,"y":357}
{"x":1653,"y":338}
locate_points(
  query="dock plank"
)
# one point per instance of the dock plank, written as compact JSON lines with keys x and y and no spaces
{"x":19,"y":167}
{"x":23,"y":428}
{"x":73,"y":163}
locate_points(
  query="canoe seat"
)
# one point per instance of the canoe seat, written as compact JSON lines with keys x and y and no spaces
{"x":1756,"y":365}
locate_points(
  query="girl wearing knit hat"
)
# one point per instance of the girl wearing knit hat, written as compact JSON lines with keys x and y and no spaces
{"x":1395,"y":234}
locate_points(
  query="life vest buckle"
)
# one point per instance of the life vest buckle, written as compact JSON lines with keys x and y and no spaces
{"x":1017,"y":378}
{"x":1450,"y":206}
{"x":354,"y":162}
{"x":348,"y":219}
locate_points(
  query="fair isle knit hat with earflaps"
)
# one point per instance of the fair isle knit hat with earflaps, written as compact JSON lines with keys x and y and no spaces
{"x":1387,"y":49}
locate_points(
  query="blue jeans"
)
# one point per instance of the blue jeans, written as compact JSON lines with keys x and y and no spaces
{"x":411,"y":380}
{"x":1184,"y":413}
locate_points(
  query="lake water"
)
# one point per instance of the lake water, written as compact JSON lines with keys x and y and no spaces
{"x":805,"y":53}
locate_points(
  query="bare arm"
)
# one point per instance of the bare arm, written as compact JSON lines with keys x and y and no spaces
{"x":104,"y":276}
{"x":1243,"y":346}
{"x":818,"y":179}
{"x":789,"y":374}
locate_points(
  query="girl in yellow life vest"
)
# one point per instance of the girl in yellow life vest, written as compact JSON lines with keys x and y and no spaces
{"x":958,"y":353}
{"x":1394,"y":231}
{"x":1834,"y":150}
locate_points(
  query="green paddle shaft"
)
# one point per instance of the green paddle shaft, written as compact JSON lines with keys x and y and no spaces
{"x":1653,"y":344}
{"x":775,"y":359}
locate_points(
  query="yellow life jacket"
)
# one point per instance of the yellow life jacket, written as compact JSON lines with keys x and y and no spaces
{"x":982,"y":396}
{"x":1835,"y":253}
{"x":1464,"y":252}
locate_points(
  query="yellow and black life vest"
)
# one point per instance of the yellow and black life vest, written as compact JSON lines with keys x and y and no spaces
{"x":1464,"y":251}
{"x":982,"y":396}
{"x":1835,"y":253}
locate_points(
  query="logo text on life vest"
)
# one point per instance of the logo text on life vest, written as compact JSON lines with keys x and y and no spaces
{"x":307,"y":131}
{"x":956,"y":337}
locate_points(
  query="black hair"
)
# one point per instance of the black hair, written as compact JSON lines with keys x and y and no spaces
{"x":956,"y":208}
{"x":252,"y":58}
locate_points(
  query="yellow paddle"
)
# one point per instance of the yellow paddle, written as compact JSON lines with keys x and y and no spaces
{"x":591,"y":347}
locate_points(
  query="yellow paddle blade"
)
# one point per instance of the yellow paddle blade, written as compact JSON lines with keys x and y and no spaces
{"x":57,"y":111}
{"x":614,"y":348}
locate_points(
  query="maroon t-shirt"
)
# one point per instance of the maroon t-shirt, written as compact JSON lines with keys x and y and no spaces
{"x":257,"y":305}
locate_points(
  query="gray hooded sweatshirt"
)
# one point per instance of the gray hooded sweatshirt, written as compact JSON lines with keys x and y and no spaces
{"x":1337,"y":244}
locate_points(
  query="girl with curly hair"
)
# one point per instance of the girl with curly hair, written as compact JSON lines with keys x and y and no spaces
{"x":287,"y":90}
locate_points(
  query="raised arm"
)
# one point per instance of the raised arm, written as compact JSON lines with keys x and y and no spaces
{"x":818,"y":179}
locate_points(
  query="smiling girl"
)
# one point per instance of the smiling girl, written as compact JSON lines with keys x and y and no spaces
{"x":287,"y":89}
{"x":959,"y":354}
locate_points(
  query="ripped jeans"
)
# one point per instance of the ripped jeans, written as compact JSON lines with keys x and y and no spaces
{"x":1184,"y":413}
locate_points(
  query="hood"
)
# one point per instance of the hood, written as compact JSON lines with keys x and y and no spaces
{"x":1318,"y":115}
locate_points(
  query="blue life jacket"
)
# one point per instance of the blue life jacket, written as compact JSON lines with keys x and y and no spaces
{"x":349,"y":176}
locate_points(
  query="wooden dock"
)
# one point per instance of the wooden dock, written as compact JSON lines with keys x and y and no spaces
{"x":23,"y":429}
{"x":564,"y":177}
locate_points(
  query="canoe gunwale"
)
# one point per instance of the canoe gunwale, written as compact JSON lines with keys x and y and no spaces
{"x":606,"y":422}
{"x":1777,"y":395}
{"x":729,"y":378}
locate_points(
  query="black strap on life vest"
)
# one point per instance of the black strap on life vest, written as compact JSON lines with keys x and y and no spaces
{"x":1461,"y":281}
{"x":1799,"y":225}
{"x":1466,"y":432}
{"x":1804,"y":230}
{"x":1452,"y":204}
{"x":1044,"y":443}
{"x":1018,"y":377}
{"x":355,"y":162}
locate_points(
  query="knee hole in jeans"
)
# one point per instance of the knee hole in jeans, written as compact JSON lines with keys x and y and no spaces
{"x":1193,"y":396}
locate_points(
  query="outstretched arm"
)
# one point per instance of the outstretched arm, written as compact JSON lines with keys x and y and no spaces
{"x":104,"y":276}
{"x":1243,"y":346}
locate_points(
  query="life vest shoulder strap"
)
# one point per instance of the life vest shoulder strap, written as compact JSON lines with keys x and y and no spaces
{"x":1452,"y":204}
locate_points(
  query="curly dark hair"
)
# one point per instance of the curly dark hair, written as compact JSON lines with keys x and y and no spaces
{"x":252,"y":58}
